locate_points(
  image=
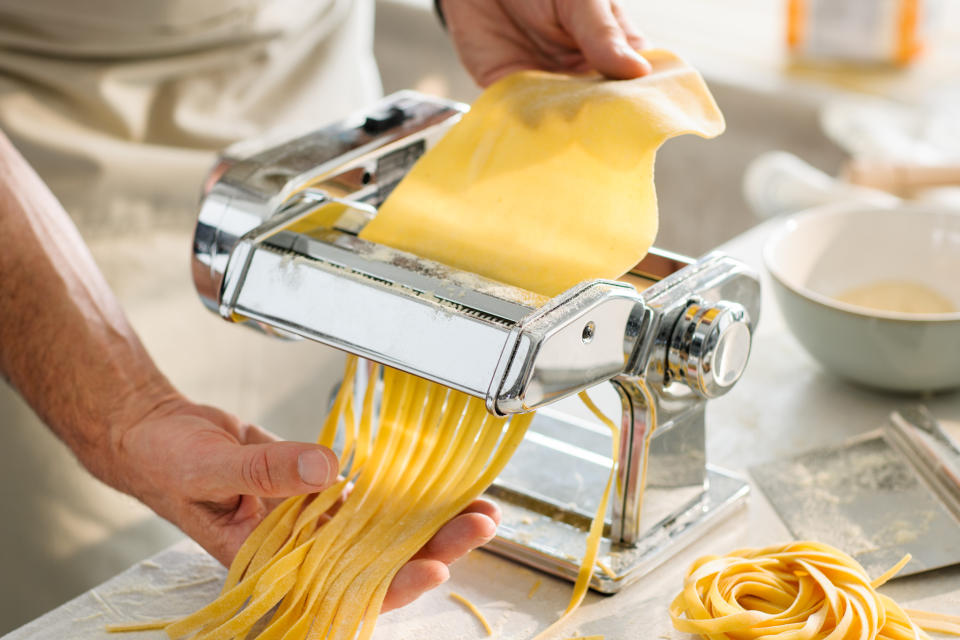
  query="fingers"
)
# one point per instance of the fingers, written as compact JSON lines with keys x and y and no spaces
{"x":413,"y":580}
{"x":273,"y":470}
{"x":252,"y":434}
{"x":597,"y":28}
{"x":229,"y":537}
{"x":487,"y":508}
{"x":473,"y":527}
{"x":489,"y":76}
{"x":459,"y":536}
{"x":634,"y":38}
{"x":245,"y":432}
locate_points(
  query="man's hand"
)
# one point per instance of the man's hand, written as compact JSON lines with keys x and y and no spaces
{"x":67,"y":347}
{"x":497,"y":37}
{"x":216,"y":478}
{"x":212,"y":475}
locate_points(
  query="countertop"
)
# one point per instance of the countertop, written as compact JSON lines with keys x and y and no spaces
{"x":784,"y":404}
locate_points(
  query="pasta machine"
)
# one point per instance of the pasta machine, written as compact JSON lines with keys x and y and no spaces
{"x":276,"y":247}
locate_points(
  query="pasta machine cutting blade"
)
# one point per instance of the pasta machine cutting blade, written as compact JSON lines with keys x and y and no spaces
{"x":276,"y":247}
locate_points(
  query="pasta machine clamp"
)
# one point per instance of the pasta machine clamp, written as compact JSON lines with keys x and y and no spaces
{"x":276,"y":247}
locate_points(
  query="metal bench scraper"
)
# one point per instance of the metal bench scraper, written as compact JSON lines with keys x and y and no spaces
{"x":879,"y":496}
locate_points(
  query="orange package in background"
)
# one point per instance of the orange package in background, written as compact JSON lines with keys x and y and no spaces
{"x":891,"y":32}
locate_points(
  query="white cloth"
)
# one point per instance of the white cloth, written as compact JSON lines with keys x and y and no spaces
{"x":121,"y":104}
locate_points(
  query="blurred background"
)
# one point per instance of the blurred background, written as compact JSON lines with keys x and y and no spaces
{"x":63,"y":532}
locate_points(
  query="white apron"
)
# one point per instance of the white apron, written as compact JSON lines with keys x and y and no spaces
{"x":120,"y":104}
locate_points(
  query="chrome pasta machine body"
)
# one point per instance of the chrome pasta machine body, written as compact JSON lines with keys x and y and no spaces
{"x":276,"y":247}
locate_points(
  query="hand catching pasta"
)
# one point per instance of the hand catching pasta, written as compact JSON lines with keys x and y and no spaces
{"x":216,"y":478}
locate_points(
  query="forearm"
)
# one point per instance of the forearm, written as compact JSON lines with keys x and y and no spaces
{"x":65,"y":343}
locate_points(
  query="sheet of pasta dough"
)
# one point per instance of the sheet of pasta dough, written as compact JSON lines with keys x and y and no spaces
{"x":548,"y":180}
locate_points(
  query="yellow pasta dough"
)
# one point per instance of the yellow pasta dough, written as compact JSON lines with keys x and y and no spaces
{"x":596,"y":526}
{"x":534,"y":587}
{"x":797,"y":591}
{"x":435,"y":451}
{"x":153,"y":625}
{"x":545,"y":183}
{"x":472,"y":608}
{"x":548,"y":180}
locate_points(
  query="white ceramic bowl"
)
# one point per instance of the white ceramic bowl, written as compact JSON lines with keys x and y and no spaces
{"x":823,"y":252}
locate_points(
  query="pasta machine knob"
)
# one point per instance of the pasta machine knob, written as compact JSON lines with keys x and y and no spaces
{"x":710,"y":346}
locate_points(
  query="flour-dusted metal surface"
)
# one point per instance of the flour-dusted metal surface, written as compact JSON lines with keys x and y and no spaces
{"x":865,"y":498}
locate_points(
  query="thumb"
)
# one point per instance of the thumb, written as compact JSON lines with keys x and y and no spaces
{"x":274,"y":470}
{"x":601,"y":38}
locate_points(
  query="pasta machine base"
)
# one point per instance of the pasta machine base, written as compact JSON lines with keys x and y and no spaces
{"x":551,"y":489}
{"x":550,"y":537}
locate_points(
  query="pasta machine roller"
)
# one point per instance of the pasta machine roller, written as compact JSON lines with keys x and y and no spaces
{"x":276,"y":247}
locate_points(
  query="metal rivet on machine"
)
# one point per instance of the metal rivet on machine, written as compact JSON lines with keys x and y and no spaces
{"x":589,"y":330}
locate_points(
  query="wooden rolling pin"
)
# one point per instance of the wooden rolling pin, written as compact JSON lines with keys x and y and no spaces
{"x":900,"y":178}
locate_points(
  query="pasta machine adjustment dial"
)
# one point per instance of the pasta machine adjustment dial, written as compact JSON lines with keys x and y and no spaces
{"x":709,"y":347}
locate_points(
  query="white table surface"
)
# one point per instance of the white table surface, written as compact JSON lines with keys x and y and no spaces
{"x":783,"y":405}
